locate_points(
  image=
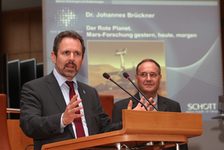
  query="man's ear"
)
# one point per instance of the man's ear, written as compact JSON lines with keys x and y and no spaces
{"x":53,"y":57}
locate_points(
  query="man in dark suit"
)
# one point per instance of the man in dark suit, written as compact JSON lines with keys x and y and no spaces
{"x":148,"y":77}
{"x":48,"y":110}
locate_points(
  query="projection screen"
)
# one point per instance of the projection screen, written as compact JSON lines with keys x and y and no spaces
{"x":183,"y":36}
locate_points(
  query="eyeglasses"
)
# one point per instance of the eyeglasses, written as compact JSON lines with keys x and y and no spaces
{"x":146,"y":74}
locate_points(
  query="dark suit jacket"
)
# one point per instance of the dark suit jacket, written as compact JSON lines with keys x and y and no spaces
{"x":163,"y":103}
{"x":42,"y":104}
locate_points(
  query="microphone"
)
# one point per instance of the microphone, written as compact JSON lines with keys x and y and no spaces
{"x":126,"y":75}
{"x":107,"y":76}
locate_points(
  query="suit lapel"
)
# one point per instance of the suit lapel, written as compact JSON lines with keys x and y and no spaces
{"x":162,"y":106}
{"x":83,"y":95}
{"x":56,"y":93}
{"x":134,"y":101}
{"x":86,"y":108}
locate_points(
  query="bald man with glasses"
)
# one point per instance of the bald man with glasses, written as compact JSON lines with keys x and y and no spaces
{"x":148,"y":77}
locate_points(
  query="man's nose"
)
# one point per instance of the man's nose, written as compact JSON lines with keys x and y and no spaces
{"x":72,"y":56}
{"x":148,"y":77}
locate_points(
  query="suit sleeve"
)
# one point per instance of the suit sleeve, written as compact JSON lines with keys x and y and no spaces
{"x":32,"y":121}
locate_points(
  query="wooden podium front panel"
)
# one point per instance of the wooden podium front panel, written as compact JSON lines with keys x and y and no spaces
{"x":169,"y":123}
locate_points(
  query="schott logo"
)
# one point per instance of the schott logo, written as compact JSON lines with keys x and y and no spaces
{"x":202,"y":107}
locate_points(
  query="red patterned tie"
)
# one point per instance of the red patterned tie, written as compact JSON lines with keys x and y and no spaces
{"x":78,"y":121}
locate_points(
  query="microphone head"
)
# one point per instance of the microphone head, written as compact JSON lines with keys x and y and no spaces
{"x":126,"y":75}
{"x":106,"y":75}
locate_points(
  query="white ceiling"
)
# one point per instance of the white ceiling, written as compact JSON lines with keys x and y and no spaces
{"x":19,"y":4}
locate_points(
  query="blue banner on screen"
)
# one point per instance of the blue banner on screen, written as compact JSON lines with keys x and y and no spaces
{"x":183,"y":36}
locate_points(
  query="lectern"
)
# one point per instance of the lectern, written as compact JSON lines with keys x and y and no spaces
{"x":140,"y":129}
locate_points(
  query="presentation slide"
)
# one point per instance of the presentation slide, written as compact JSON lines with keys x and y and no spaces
{"x":183,"y":36}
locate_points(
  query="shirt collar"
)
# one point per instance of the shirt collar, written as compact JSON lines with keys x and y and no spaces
{"x":61,"y":79}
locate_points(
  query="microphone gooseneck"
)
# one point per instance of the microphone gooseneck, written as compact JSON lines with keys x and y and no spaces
{"x":126,"y":75}
{"x":107,"y":76}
